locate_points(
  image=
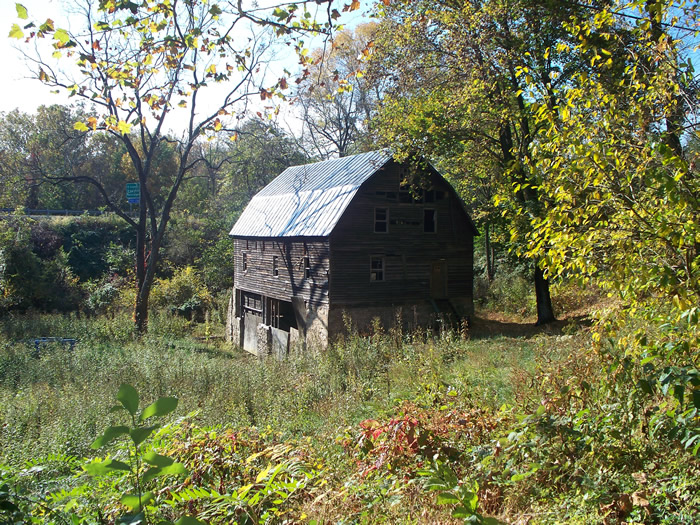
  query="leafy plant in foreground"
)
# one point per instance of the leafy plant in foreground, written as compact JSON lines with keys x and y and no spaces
{"x":138,"y":432}
{"x":452,"y":491}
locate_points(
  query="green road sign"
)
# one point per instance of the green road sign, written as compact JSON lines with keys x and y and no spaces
{"x":133,"y":192}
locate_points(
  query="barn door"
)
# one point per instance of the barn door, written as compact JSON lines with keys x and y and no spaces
{"x":251,"y":306}
{"x":438,"y":279}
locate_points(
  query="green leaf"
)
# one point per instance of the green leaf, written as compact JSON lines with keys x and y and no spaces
{"x":138,"y":435}
{"x":157,"y":460}
{"x":129,"y":398}
{"x":447,"y":498}
{"x":189,"y":520}
{"x":100,"y":468}
{"x":109,"y":434}
{"x":132,"y":500}
{"x":16,"y":32}
{"x":280,"y":14}
{"x":21,"y":11}
{"x":696,"y":397}
{"x":461,"y":512}
{"x":679,"y":393}
{"x":132,"y":519}
{"x":176,"y":469}
{"x":161,"y":407}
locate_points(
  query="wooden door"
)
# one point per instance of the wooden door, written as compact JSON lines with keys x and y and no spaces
{"x":438,"y":279}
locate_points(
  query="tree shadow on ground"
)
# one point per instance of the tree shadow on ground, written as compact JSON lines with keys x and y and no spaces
{"x":485,"y":327}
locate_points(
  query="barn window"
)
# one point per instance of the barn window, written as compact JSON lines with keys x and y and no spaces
{"x":429,"y":221}
{"x":376,"y":268}
{"x":245,"y":262}
{"x":381,"y":220}
{"x":275,"y":266}
{"x":307,"y":267}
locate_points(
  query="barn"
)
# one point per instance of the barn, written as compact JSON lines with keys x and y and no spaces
{"x":346,"y":239}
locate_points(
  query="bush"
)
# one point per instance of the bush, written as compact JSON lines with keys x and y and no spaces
{"x":511,"y":292}
{"x":184,"y":294}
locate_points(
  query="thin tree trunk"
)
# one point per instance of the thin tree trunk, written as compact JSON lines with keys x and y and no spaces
{"x":489,"y":253}
{"x":141,"y":306}
{"x":545,"y":312}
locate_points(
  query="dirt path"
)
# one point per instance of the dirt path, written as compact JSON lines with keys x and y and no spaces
{"x":488,"y":324}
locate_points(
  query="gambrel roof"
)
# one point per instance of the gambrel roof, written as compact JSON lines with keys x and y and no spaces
{"x":308,"y":200}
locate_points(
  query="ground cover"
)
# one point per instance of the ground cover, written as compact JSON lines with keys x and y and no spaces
{"x":518,"y":422}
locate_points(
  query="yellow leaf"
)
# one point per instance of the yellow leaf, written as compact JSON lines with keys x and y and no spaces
{"x":16,"y":32}
{"x":123,"y":127}
{"x":21,"y":11}
{"x":263,"y":473}
{"x":80,"y":126}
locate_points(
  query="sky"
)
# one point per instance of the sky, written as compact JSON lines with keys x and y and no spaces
{"x":27,"y":94}
{"x":19,"y":91}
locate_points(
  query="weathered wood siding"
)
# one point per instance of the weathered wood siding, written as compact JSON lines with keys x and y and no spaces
{"x":291,"y":279}
{"x":407,"y":250}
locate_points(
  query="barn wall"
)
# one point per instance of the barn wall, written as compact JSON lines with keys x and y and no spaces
{"x":408,"y":252}
{"x":291,"y":280}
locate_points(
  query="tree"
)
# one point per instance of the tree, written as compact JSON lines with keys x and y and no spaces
{"x":137,"y":63}
{"x":458,"y":96}
{"x":337,"y":101}
{"x":38,"y":147}
{"x":622,"y":193}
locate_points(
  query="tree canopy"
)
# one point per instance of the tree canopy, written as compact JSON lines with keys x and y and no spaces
{"x":138,"y":64}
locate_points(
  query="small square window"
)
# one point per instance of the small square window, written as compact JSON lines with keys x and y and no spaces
{"x":376,"y":268}
{"x":429,"y":221}
{"x":381,"y":220}
{"x":275,"y":266}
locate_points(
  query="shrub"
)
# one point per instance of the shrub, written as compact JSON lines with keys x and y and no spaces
{"x":184,"y":294}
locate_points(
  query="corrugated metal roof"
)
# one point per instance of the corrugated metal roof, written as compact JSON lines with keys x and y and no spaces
{"x":308,"y":200}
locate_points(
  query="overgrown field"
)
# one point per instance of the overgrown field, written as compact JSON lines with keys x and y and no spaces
{"x":389,"y":428}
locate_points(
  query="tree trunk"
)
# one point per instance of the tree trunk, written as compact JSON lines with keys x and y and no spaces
{"x":141,"y":305}
{"x":490,"y":269}
{"x":545,"y":312}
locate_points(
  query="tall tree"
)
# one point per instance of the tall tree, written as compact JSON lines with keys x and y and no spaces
{"x":337,"y":101}
{"x":622,"y":193}
{"x":458,"y":96}
{"x":137,"y":63}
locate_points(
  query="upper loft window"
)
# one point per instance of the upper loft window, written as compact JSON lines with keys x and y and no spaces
{"x":307,"y":263}
{"x":245,"y":262}
{"x":381,"y":220}
{"x":376,"y":268}
{"x":429,"y":221}
{"x":275,"y":266}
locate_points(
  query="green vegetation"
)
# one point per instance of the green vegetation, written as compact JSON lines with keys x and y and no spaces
{"x":363,"y":432}
{"x":572,"y":131}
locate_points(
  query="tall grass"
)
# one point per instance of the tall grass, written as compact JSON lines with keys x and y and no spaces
{"x":59,"y":400}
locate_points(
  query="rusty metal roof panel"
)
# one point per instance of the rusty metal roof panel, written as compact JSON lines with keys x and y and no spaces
{"x":308,"y":200}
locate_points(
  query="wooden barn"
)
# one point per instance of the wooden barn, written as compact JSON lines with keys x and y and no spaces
{"x":343,"y":239}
